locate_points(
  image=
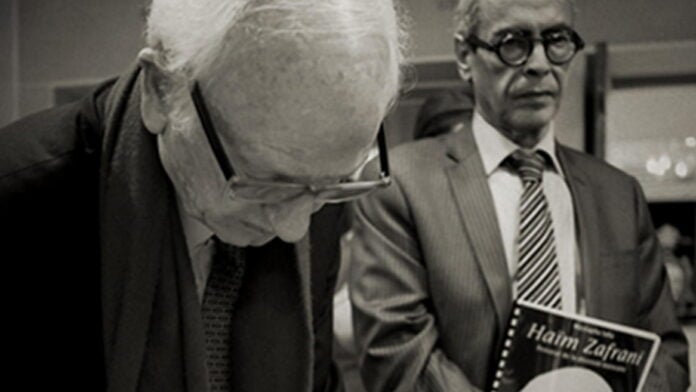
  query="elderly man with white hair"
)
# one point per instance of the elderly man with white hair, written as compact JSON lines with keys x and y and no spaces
{"x":157,"y":231}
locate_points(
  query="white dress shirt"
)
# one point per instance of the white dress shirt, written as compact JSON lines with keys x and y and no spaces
{"x":506,"y":188}
{"x":199,"y":242}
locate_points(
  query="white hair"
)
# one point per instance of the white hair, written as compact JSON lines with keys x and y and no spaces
{"x":467,"y":15}
{"x":192,"y":34}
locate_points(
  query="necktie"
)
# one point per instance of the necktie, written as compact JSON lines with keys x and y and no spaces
{"x":221,"y":293}
{"x":537,"y":278}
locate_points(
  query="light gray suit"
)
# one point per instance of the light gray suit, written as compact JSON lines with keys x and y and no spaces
{"x":430,"y":287}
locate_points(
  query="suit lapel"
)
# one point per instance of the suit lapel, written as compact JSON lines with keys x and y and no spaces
{"x":587,"y":224}
{"x":136,"y":207}
{"x":302,"y":255}
{"x":473,"y":196}
{"x":189,"y":311}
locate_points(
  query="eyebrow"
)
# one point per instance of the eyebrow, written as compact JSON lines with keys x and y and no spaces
{"x":527,"y":32}
{"x":558,"y":26}
{"x":511,"y":30}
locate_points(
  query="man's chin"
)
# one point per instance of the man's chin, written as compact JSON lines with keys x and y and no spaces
{"x":246,"y":239}
{"x":243,"y":243}
{"x":243,"y":236}
{"x":260,"y":241}
{"x":263,"y":239}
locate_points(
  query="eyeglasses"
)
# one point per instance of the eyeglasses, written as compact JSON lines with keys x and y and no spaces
{"x":262,"y":191}
{"x":514,"y":49}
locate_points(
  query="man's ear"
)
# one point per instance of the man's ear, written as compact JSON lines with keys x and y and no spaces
{"x":461,"y":50}
{"x":156,"y":82}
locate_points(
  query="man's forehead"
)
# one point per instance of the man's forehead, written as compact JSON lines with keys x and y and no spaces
{"x":525,"y":15}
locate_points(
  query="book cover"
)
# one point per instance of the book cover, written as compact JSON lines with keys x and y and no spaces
{"x":550,"y":350}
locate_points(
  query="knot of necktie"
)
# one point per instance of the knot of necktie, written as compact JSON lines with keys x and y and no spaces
{"x":528,"y":164}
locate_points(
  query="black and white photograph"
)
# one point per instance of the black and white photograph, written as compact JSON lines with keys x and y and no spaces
{"x":348,"y":195}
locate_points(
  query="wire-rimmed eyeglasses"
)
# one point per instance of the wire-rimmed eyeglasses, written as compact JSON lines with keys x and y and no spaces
{"x":264,"y":191}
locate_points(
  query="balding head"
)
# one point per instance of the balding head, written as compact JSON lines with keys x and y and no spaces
{"x":311,"y":80}
{"x":193,"y":35}
{"x":283,"y":74}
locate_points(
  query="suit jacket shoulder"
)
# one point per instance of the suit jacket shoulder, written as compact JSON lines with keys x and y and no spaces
{"x":593,"y":167}
{"x":49,"y":175}
{"x":41,"y":150}
{"x":421,"y":164}
{"x":424,"y":154}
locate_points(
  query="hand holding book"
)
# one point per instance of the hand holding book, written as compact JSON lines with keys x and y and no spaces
{"x":550,"y":350}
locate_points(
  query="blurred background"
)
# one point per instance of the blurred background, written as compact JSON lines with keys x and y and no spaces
{"x":631,"y":97}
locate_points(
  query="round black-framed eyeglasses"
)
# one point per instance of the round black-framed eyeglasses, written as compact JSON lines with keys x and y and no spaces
{"x":514,"y":48}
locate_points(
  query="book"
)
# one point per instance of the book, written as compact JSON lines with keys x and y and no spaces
{"x":549,"y":350}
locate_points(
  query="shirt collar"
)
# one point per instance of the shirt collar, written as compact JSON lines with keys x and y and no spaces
{"x":494,"y":148}
{"x":195,"y":232}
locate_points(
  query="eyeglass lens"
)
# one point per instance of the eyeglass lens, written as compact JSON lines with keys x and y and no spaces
{"x":559,"y":48}
{"x":273,"y":194}
{"x":265,"y":194}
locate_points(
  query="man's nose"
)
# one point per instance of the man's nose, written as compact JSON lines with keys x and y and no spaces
{"x":538,"y":64}
{"x":290,"y":219}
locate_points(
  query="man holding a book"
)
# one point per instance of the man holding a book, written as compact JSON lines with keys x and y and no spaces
{"x":499,"y":212}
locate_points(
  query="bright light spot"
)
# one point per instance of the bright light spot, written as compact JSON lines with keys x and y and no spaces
{"x":655,"y":167}
{"x":681,"y":170}
{"x":665,"y":162}
{"x":690,"y":142}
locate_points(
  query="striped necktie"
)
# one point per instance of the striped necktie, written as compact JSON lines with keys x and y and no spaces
{"x":537,"y":278}
{"x":221,"y":293}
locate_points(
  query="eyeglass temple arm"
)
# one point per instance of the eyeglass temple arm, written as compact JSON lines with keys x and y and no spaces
{"x":578,"y":40}
{"x":210,"y":133}
{"x":383,"y":157}
{"x":473,"y":41}
{"x":219,"y":153}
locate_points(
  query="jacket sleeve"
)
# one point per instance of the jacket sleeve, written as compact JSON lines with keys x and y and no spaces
{"x":395,"y":330}
{"x":670,"y":371}
{"x":48,"y":217}
{"x":40,"y":152}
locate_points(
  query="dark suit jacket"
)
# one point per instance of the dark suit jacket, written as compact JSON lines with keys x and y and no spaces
{"x":99,"y":286}
{"x":430,"y":286}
